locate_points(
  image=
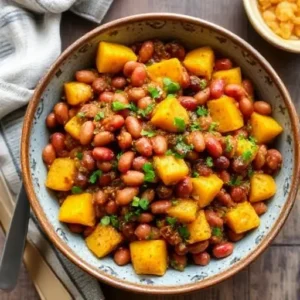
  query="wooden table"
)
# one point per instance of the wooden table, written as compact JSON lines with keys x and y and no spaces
{"x":276,"y":273}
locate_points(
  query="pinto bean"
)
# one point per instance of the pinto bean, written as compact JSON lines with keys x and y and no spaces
{"x":129,"y":67}
{"x":51,"y":121}
{"x":201,"y":259}
{"x":133,"y":126}
{"x":122,"y":256}
{"x":104,"y":166}
{"x":260,"y":158}
{"x":136,"y":93}
{"x":106,"y":97}
{"x":234,"y":237}
{"x":178,"y":262}
{"x":224,"y":198}
{"x":86,"y":132}
{"x":217,"y":88}
{"x":273,"y":159}
{"x":89,"y":110}
{"x":225,"y":176}
{"x":246,"y":107}
{"x":125,"y":196}
{"x":262,"y":107}
{"x":111,"y":207}
{"x":125,"y":161}
{"x":113,"y":123}
{"x":145,"y":218}
{"x":143,"y":231}
{"x":102,"y":153}
{"x":58,"y":139}
{"x":72,"y":112}
{"x":120,"y":97}
{"x":223,"y":250}
{"x":99,"y":85}
{"x":248,"y":87}
{"x":159,"y":144}
{"x":198,"y":247}
{"x":260,"y":207}
{"x":143,"y":146}
{"x":238,"y":165}
{"x":160,"y":207}
{"x":124,"y":140}
{"x":88,"y":161}
{"x":238,"y":194}
{"x":148,"y":194}
{"x":138,"y":76}
{"x":81,"y":180}
{"x":188,"y":102}
{"x":138,"y":163}
{"x":197,"y":140}
{"x":133,"y":178}
{"x":49,"y":154}
{"x":235,"y":91}
{"x":100,"y":198}
{"x":202,"y":96}
{"x":213,"y":219}
{"x":185,"y":79}
{"x":213,"y":146}
{"x":61,"y":112}
{"x":146,"y":51}
{"x":144,"y":102}
{"x":204,"y":122}
{"x":184,"y":188}
{"x":118,"y":82}
{"x":164,"y":192}
{"x":103,"y":138}
{"x":181,"y":249}
{"x":223,"y":64}
{"x":85,"y":76}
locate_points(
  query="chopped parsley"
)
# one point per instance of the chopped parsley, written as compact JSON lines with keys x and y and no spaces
{"x":183,"y":232}
{"x":252,"y":140}
{"x":132,"y":107}
{"x":195,"y":126}
{"x":76,"y":190}
{"x":213,"y":126}
{"x":235,"y":180}
{"x":99,"y":116}
{"x":202,"y":111}
{"x":203,"y":84}
{"x":175,"y":154}
{"x":154,"y":92}
{"x":131,"y":214}
{"x":95,"y":175}
{"x":118,"y":91}
{"x":250,"y":171}
{"x":171,"y":221}
{"x":170,"y":86}
{"x":228,"y":144}
{"x":81,"y":114}
{"x":79,"y":155}
{"x":116,"y":106}
{"x":140,"y":202}
{"x":182,"y":148}
{"x":209,"y":162}
{"x":179,"y":123}
{"x":145,"y":112}
{"x":105,"y":220}
{"x":149,"y":172}
{"x":247,"y":155}
{"x":195,"y":174}
{"x":148,"y":133}
{"x":174,"y":202}
{"x":216,"y":231}
{"x":119,"y":155}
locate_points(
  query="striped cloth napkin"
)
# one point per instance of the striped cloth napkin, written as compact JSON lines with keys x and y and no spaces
{"x":29,"y":43}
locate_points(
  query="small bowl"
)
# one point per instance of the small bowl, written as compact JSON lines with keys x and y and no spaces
{"x":257,"y":21}
{"x":192,"y":33}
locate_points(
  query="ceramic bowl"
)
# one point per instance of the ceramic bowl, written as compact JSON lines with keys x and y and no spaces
{"x":257,"y":21}
{"x":192,"y":33}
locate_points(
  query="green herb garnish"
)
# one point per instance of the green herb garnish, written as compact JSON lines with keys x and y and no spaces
{"x":250,"y":171}
{"x":183,"y":232}
{"x":216,"y":231}
{"x":170,"y":86}
{"x":235,"y":181}
{"x":95,"y":175}
{"x":81,"y":114}
{"x":145,"y":112}
{"x":195,"y":126}
{"x":79,"y":155}
{"x":228,"y":144}
{"x":117,"y":106}
{"x":114,"y":221}
{"x":131,"y":106}
{"x":119,"y":91}
{"x":105,"y":220}
{"x":76,"y":190}
{"x":154,"y":92}
{"x":202,"y":111}
{"x":182,"y":148}
{"x":203,"y":84}
{"x":209,"y":162}
{"x":195,"y":174}
{"x":247,"y":155}
{"x":171,"y":221}
{"x":174,"y":202}
{"x":179,"y":123}
{"x":149,"y":172}
{"x":148,"y":133}
{"x":140,"y":202}
{"x":99,"y":116}
{"x":213,"y":126}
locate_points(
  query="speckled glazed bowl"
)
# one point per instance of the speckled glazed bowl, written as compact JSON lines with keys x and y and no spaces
{"x":192,"y":33}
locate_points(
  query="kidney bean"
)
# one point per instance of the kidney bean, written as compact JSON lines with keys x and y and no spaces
{"x":197,"y":140}
{"x":223,"y":64}
{"x":221,"y":163}
{"x":262,"y":107}
{"x":106,"y":97}
{"x":145,"y":218}
{"x":201,"y":259}
{"x":160,"y":207}
{"x":235,"y":91}
{"x":195,"y":83}
{"x":188,"y":102}
{"x":143,"y":231}
{"x":202,"y":96}
{"x":133,"y":126}
{"x":238,"y":165}
{"x":127,"y":230}
{"x":122,"y":256}
{"x":49,"y":154}
{"x":125,"y":161}
{"x":76,"y":228}
{"x":63,"y":153}
{"x":181,"y":249}
{"x":102,"y":153}
{"x":124,"y":140}
{"x":139,"y":162}
{"x":118,"y":82}
{"x":57,"y":139}
{"x":184,"y":188}
{"x":170,"y":235}
{"x":136,"y":93}
{"x":202,"y":169}
{"x":185,"y":79}
{"x":234,"y":237}
{"x":238,"y":194}
{"x":61,"y":112}
{"x":213,"y":146}
{"x":51,"y":121}
{"x":248,"y":87}
{"x":198,"y":247}
{"x":143,"y":146}
{"x":246,"y":107}
{"x":213,"y":219}
{"x":164,"y":192}
{"x":103,"y":138}
{"x":260,"y":158}
{"x":204,"y":122}
{"x":273,"y":159}
{"x":178,"y":262}
{"x":113,"y":123}
{"x":225,"y":176}
{"x":100,"y":198}
{"x":175,"y":50}
{"x":80,"y":180}
{"x":133,"y":178}
{"x":216,"y":88}
{"x":223,"y":250}
{"x":85,"y":76}
{"x":88,"y":230}
{"x":192,"y":155}
{"x":129,"y":67}
{"x":120,"y":97}
{"x":99,"y":85}
{"x":138,"y":76}
{"x":148,"y":194}
{"x":111,"y":207}
{"x":155,"y":233}
{"x":86,"y":132}
{"x":144,"y":102}
{"x":104,"y":166}
{"x":260,"y":207}
{"x":224,"y":198}
{"x":106,"y":178}
{"x":159,"y":144}
{"x":146,"y":51}
{"x":125,"y":196}
{"x":88,"y":161}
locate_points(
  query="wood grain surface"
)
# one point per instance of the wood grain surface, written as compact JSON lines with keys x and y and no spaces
{"x":275,"y":275}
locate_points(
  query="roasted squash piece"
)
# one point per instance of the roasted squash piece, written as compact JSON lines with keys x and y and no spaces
{"x":229,"y":76}
{"x":77,"y":92}
{"x":61,"y":174}
{"x":225,"y":113}
{"x":200,"y":61}
{"x":167,"y":112}
{"x":73,"y":127}
{"x":170,"y":169}
{"x":205,"y":189}
{"x":262,"y":187}
{"x":111,"y":57}
{"x":78,"y":209}
{"x":149,"y":257}
{"x":184,"y":211}
{"x":170,"y":68}
{"x":242,"y":218}
{"x":246,"y":149}
{"x":103,"y":240}
{"x":199,"y":229}
{"x":264,"y":128}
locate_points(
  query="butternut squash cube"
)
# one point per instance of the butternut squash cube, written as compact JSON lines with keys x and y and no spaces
{"x":242,"y":218}
{"x":184,"y":211}
{"x":224,"y":112}
{"x":111,"y":57}
{"x":229,"y":76}
{"x":264,"y":128}
{"x":149,"y":257}
{"x":170,"y":68}
{"x":170,"y":169}
{"x":199,"y":229}
{"x":78,"y":209}
{"x":77,"y":92}
{"x":61,"y":174}
{"x":165,"y":113}
{"x":262,"y":187}
{"x":200,"y":61}
{"x":73,"y":127}
{"x":103,"y":240}
{"x":246,"y":149}
{"x":205,"y":189}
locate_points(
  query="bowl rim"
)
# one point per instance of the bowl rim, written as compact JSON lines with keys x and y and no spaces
{"x":265,"y":32}
{"x":66,"y":250}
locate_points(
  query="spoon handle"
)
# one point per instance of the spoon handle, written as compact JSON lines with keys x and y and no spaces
{"x":14,"y":245}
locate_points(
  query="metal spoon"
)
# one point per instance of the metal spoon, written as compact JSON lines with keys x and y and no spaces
{"x":14,"y":245}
